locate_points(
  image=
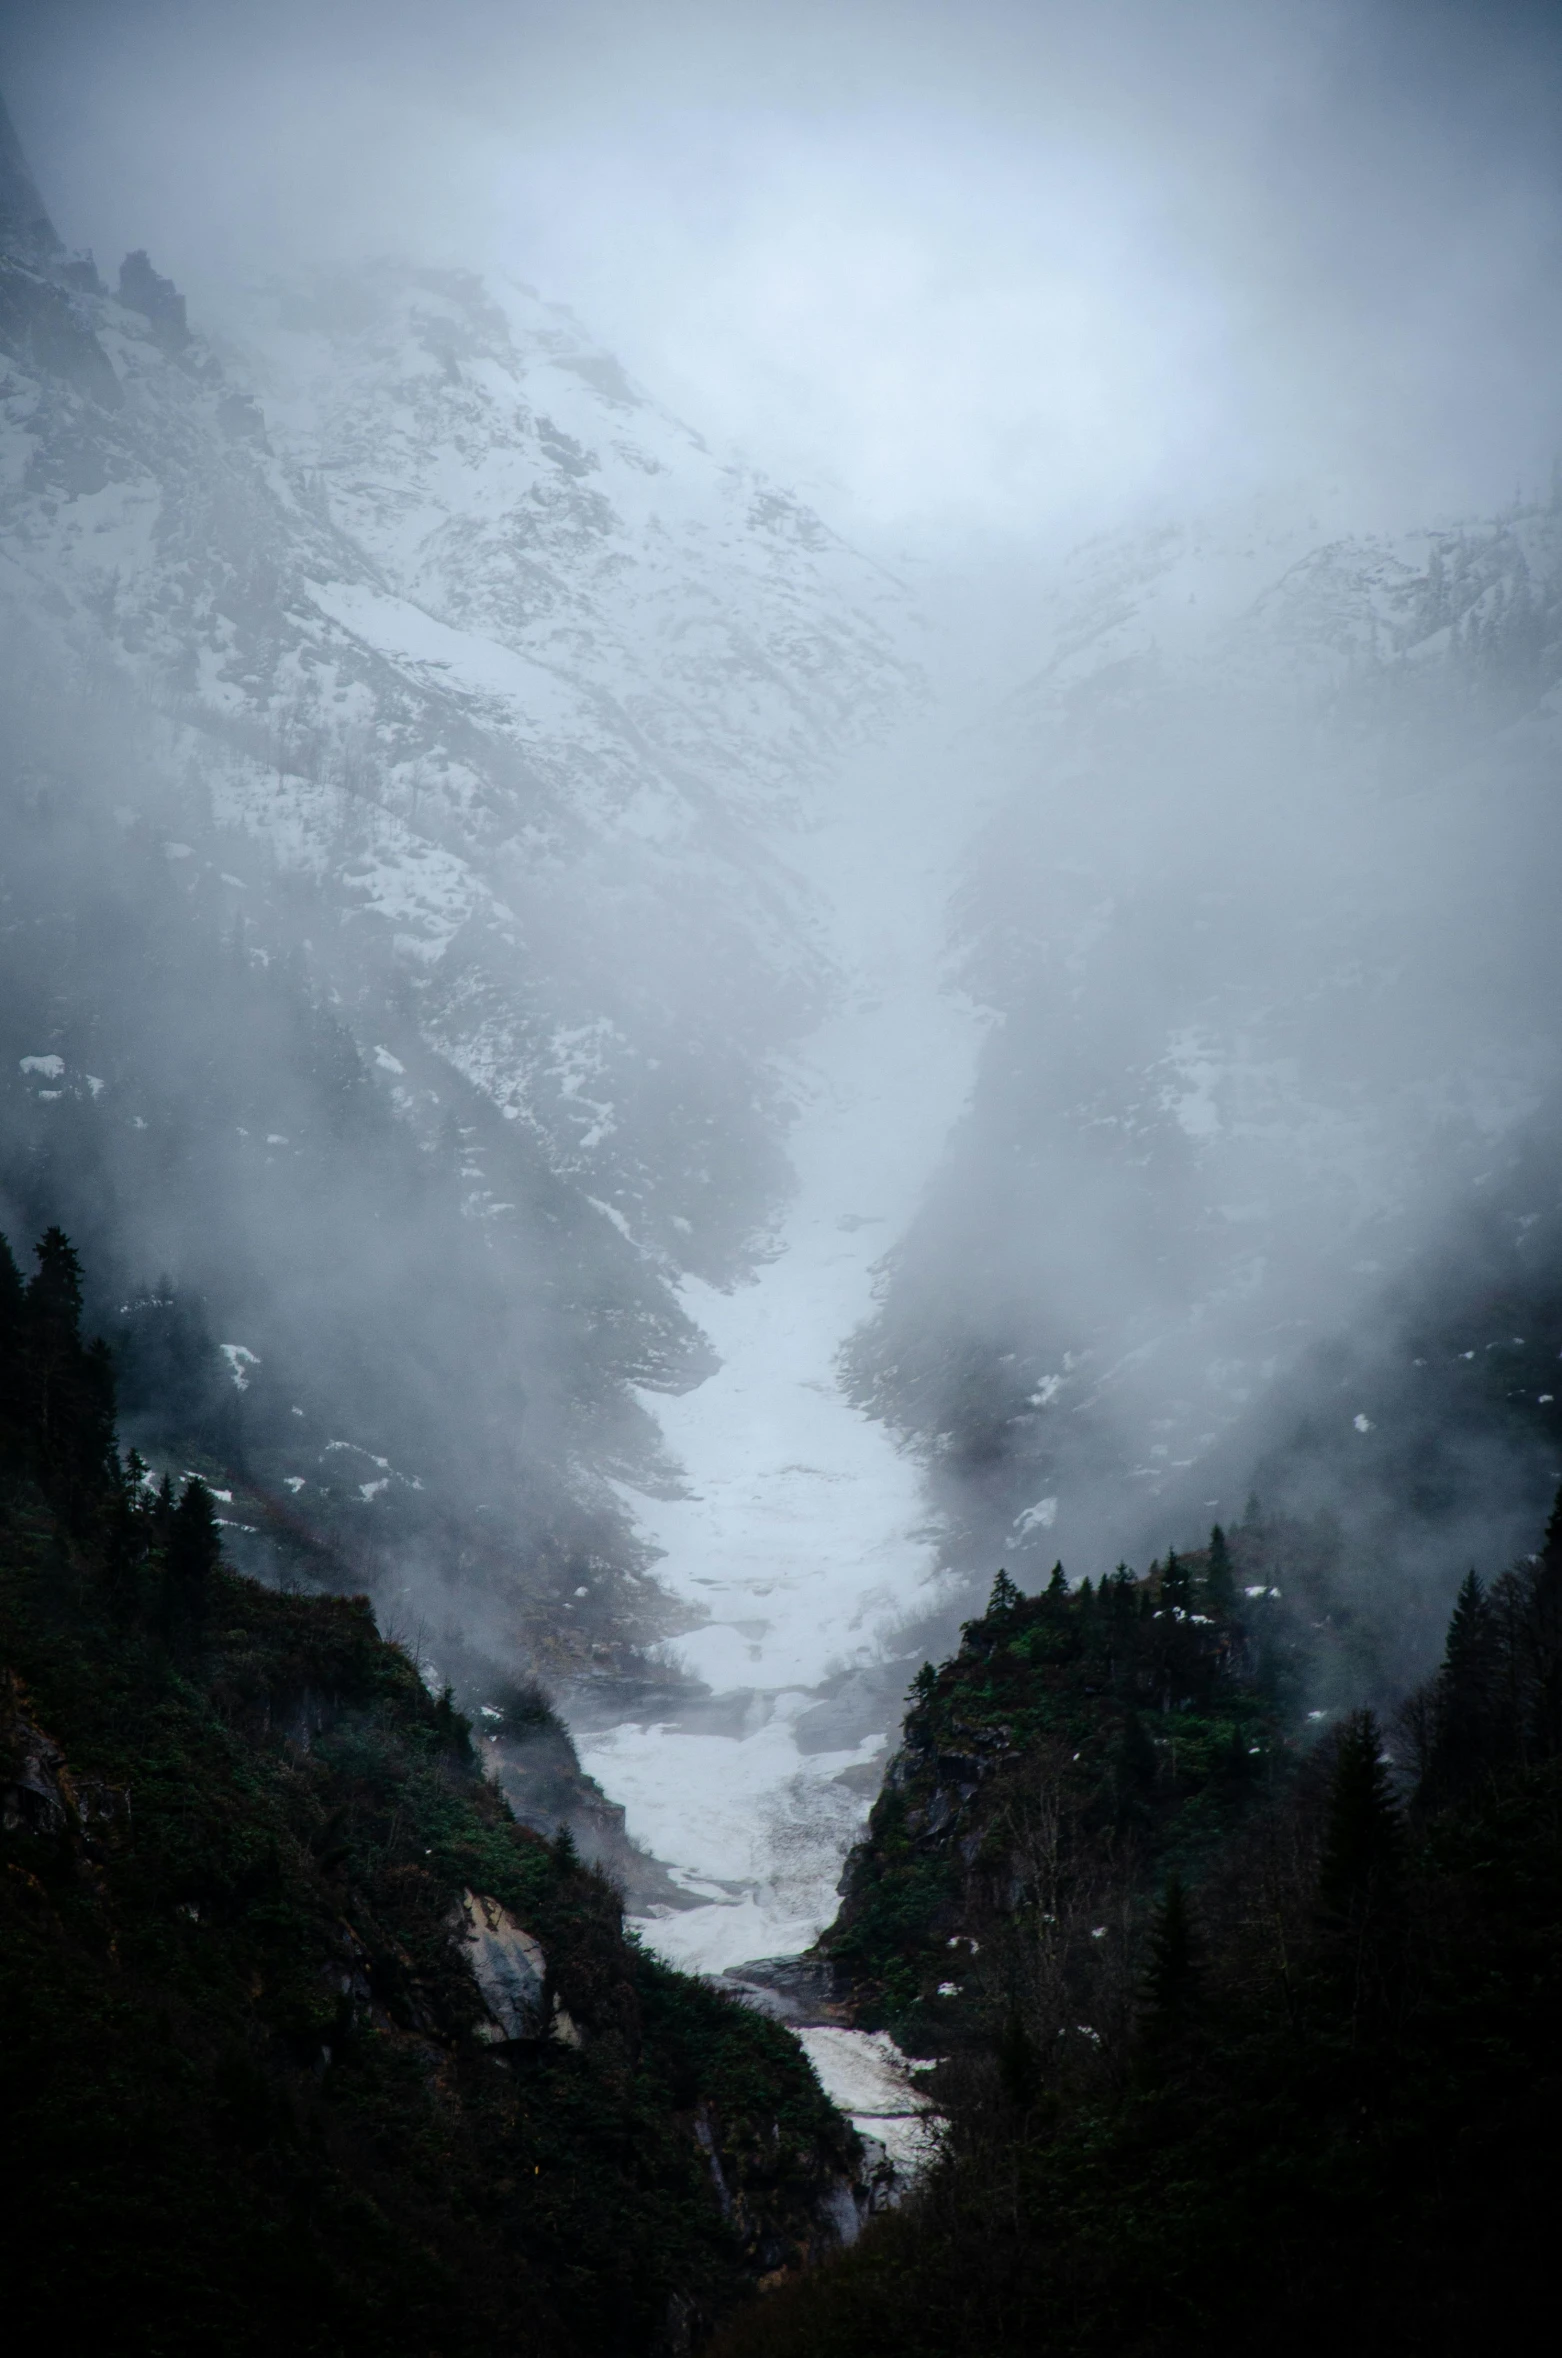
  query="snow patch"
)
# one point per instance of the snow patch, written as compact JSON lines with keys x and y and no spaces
{"x":240,"y":1361}
{"x":1039,"y":1517}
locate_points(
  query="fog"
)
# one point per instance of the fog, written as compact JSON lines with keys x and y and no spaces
{"x":877,"y":901}
{"x":1000,"y":266}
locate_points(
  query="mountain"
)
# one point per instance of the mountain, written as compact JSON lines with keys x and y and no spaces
{"x":407,"y":721}
{"x":308,"y":2040}
{"x":1260,"y":1168}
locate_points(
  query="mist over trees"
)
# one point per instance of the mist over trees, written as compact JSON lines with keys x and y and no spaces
{"x":1257,"y":1182}
{"x":639,"y":1049}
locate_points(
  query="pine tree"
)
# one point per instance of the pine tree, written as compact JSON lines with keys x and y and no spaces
{"x":1171,"y":1974}
{"x":66,"y":1387}
{"x":52,"y":1338}
{"x":1220,"y":1581}
{"x":1005,"y":1595}
{"x":453,"y":1728}
{"x":1057,"y":1586}
{"x":1466,"y":1738}
{"x":1545,"y":1642}
{"x":128,"y":1538}
{"x":192,"y":1555}
{"x":12,"y":1315}
{"x":1176,"y":1586}
{"x":1509,"y":1604}
{"x":1134,"y":1768}
{"x":1362,"y":1832}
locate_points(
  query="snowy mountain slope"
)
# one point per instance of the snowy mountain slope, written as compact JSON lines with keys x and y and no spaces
{"x":506,"y":476}
{"x":1268,"y":916}
{"x":459,"y":624}
{"x":461,"y":701}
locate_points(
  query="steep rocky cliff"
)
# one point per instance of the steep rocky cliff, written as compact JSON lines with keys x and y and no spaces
{"x":1247,"y":2022}
{"x":1081,"y":1745}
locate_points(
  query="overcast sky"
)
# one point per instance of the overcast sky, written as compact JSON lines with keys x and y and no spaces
{"x":962,"y":266}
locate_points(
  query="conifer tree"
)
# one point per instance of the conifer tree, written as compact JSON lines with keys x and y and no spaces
{"x":1220,"y":1581}
{"x":193,"y":1553}
{"x":66,"y":1387}
{"x":1466,"y":1736}
{"x":1509,"y":1604}
{"x":1005,"y":1595}
{"x":1057,"y":1586}
{"x":12,"y":1311}
{"x":1176,"y":1586}
{"x":1545,"y":1642}
{"x":1134,"y":1767}
{"x":51,"y":1337}
{"x":1172,"y":1973}
{"x":1362,"y":1832}
{"x":129,"y":1535}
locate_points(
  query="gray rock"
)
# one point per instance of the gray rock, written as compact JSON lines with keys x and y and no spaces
{"x":511,"y":1973}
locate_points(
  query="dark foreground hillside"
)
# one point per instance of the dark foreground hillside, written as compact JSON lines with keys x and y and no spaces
{"x":1249,"y":2042}
{"x":307,"y":2044}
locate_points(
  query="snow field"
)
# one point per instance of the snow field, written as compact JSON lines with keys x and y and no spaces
{"x":803,"y":1535}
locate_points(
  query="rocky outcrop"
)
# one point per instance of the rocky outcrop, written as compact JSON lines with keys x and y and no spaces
{"x":511,"y":1971}
{"x":1077,"y":1741}
{"x":37,"y":1795}
{"x":158,"y":300}
{"x":25,"y":227}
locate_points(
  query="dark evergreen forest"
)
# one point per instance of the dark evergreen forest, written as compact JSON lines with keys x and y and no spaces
{"x":1248,"y":2034}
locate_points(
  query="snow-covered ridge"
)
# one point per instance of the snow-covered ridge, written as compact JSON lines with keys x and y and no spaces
{"x":501,"y":472}
{"x":458,"y":625}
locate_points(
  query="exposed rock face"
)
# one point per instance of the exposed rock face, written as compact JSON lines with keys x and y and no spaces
{"x":25,"y":227}
{"x":37,"y":1795}
{"x":157,"y":299}
{"x":539,"y":1773}
{"x":512,"y":1973}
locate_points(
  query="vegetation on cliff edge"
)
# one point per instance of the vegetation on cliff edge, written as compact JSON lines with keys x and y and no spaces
{"x":253,"y":2095}
{"x":1263,"y":2058}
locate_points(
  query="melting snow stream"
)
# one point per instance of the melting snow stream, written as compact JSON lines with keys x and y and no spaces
{"x":803,"y":1532}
